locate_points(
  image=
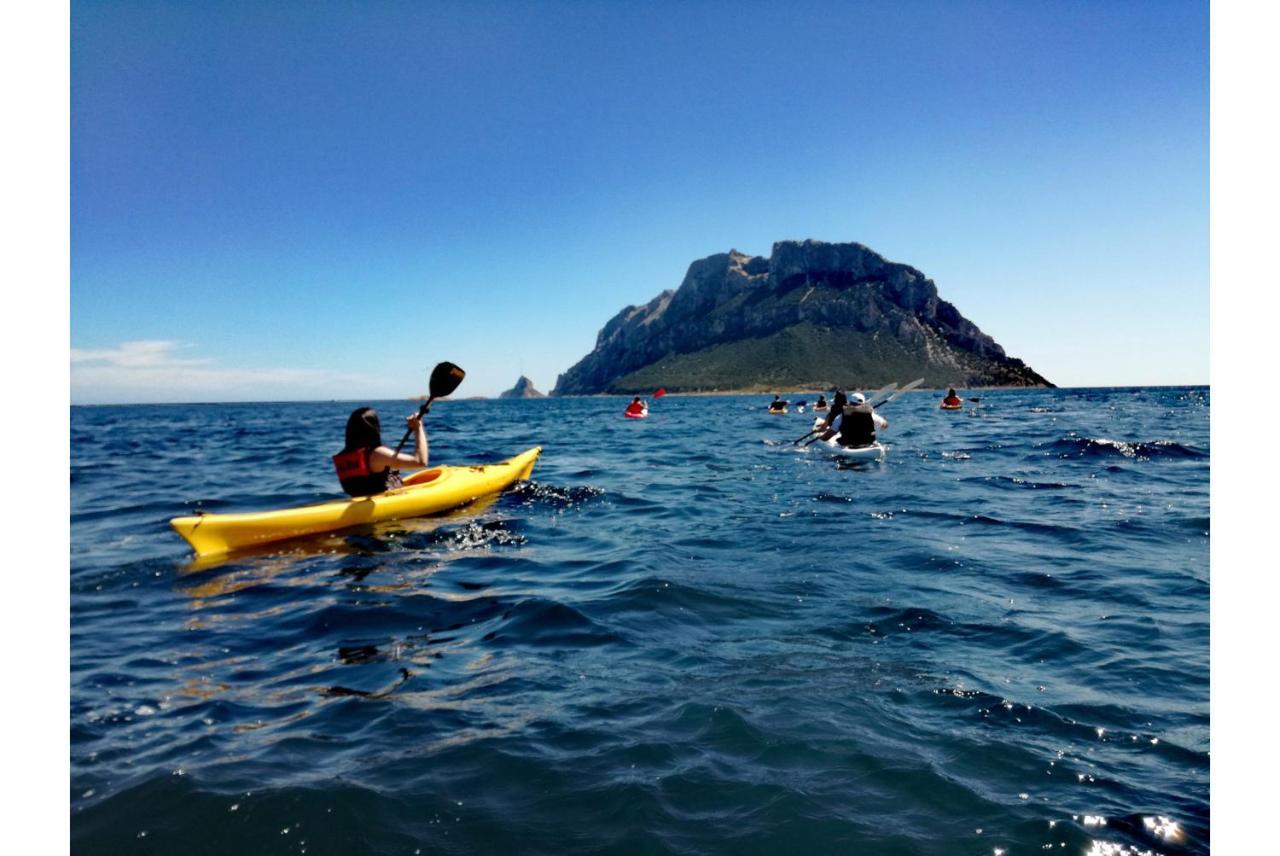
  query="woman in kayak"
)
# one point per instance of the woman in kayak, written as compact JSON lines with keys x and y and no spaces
{"x":364,"y":465}
{"x":856,"y":423}
{"x":822,"y":403}
{"x":637,"y":407}
{"x":952,"y":400}
{"x":778,"y":405}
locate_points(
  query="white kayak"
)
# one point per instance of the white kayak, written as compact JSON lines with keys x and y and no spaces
{"x":874,"y":452}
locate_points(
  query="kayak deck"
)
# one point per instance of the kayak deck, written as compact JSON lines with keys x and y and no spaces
{"x":424,"y":492}
{"x":876,"y":451}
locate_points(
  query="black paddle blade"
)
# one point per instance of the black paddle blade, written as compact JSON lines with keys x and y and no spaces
{"x":445,"y":378}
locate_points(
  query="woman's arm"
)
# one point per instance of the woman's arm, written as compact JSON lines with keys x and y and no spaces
{"x":383,"y":458}
{"x":830,"y":424}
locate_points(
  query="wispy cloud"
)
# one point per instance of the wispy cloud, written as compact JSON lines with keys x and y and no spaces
{"x":157,"y":371}
{"x":144,"y":354}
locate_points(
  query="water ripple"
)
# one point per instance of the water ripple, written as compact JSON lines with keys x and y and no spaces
{"x":996,"y":639}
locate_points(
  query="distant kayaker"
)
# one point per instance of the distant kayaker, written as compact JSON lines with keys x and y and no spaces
{"x":821,"y":404}
{"x":856,"y":423}
{"x":365,"y":466}
{"x":952,"y":400}
{"x":637,"y":407}
{"x":777,"y":405}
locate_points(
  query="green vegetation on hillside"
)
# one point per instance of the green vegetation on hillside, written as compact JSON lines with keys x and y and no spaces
{"x":804,"y":356}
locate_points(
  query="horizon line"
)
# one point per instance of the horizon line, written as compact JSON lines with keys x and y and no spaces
{"x":591,"y":395}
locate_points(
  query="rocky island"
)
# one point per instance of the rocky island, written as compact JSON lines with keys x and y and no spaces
{"x":522,"y":389}
{"x":811,"y":315}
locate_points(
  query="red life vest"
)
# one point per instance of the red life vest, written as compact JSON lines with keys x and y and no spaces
{"x":356,"y":477}
{"x":635,"y":408}
{"x":351,"y":464}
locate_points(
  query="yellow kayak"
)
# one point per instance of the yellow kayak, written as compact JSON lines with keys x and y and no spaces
{"x":424,"y":492}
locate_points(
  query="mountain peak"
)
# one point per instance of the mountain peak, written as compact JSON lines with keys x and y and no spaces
{"x":522,"y":389}
{"x":811,"y":314}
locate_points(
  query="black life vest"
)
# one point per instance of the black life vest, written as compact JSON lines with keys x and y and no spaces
{"x":356,"y":477}
{"x":857,"y":428}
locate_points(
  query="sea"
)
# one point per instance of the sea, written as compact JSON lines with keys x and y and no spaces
{"x":685,"y":634}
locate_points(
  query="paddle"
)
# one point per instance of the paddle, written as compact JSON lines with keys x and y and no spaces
{"x":881,"y":391}
{"x":445,"y":378}
{"x":805,"y":434}
{"x":906,"y":388}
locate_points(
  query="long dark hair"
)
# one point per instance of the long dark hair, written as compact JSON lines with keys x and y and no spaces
{"x":364,"y":431}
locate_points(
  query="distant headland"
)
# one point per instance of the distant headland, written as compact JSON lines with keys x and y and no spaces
{"x":811,"y":315}
{"x":522,"y":389}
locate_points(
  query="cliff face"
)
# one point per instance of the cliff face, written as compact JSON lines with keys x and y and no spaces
{"x":522,"y":389}
{"x":812,"y":314}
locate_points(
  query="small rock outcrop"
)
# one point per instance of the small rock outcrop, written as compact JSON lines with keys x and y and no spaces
{"x":811,"y":315}
{"x":522,"y":389}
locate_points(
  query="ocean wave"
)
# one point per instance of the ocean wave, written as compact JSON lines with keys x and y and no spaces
{"x":541,"y":622}
{"x":552,"y":496}
{"x":1022,"y":483}
{"x":1086,"y":447}
{"x":476,"y":535}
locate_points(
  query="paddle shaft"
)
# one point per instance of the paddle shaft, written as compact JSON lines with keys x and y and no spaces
{"x":422,"y":411}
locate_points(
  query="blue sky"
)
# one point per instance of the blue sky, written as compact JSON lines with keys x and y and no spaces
{"x":321,"y":200}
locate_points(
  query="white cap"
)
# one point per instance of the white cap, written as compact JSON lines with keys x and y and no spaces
{"x":857,"y":398}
